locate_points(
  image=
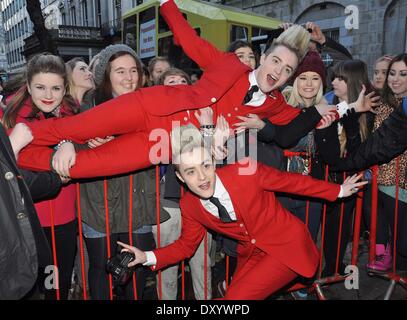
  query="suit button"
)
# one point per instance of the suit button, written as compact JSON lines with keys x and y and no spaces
{"x":9,"y":175}
{"x":20,"y":215}
{"x":324,"y":140}
{"x":229,"y":115}
{"x":253,"y":241}
{"x":246,"y":232}
{"x":241,"y":225}
{"x":236,"y":109}
{"x":213,"y":100}
{"x":185,"y":118}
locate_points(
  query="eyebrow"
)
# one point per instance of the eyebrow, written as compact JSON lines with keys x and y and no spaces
{"x":202,"y":163}
{"x":119,"y":68}
{"x":292,"y":69}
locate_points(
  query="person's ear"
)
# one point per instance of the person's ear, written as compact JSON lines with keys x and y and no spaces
{"x":179,"y":176}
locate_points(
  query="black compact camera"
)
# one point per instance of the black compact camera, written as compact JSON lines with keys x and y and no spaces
{"x":117,"y":267}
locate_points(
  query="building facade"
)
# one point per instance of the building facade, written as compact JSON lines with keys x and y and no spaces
{"x":3,"y":57}
{"x":368,"y":29}
{"x":17,"y":26}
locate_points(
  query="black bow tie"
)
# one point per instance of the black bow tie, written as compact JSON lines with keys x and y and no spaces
{"x":249,"y":94}
{"x":223,"y":213}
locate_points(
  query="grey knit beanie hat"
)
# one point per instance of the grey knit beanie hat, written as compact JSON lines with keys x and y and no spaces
{"x":104,"y":57}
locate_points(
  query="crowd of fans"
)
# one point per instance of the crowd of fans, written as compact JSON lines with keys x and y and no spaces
{"x":123,"y":207}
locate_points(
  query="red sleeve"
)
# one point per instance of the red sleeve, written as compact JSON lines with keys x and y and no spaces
{"x":198,"y":49}
{"x":36,"y":158}
{"x":283,"y":113}
{"x":192,"y":233}
{"x":272,"y":179}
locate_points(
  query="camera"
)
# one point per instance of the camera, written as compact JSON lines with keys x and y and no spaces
{"x":117,"y":267}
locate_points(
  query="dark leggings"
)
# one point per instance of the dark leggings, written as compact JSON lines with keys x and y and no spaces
{"x":385,"y":226}
{"x":332,"y":223}
{"x":98,"y":277}
{"x":65,"y":243}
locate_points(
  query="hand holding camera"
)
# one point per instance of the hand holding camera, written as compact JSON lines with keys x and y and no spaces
{"x":139,"y":256}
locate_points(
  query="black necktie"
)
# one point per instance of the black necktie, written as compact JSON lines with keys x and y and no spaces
{"x":249,"y":94}
{"x":223,"y":213}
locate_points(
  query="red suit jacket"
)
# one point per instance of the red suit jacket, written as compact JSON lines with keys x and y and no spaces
{"x":261,"y":220}
{"x":133,"y":117}
{"x":205,"y":54}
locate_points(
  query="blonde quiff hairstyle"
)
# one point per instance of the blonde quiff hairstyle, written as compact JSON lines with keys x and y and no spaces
{"x":296,"y":38}
{"x":184,"y":139}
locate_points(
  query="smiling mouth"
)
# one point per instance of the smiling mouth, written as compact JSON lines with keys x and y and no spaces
{"x":47,"y":102}
{"x":272,"y":80}
{"x":205,"y":186}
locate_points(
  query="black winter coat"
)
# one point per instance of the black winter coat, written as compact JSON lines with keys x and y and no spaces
{"x":23,"y":246}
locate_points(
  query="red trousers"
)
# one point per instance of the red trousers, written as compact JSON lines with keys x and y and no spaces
{"x":259,"y":277}
{"x":134,"y":119}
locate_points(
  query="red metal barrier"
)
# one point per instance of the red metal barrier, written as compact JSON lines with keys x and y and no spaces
{"x":392,"y":275}
{"x":109,"y":254}
{"x":81,"y":248}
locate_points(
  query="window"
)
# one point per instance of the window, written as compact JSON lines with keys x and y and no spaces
{"x":147,"y":35}
{"x":238,"y":33}
{"x":84,"y":9}
{"x":332,"y":33}
{"x":259,"y":40}
{"x":130,"y":31}
{"x":98,"y":21}
{"x":73,"y":15}
{"x":175,"y":53}
{"x":118,"y":8}
{"x":63,"y":18}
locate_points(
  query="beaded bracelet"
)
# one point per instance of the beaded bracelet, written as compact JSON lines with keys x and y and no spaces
{"x":59,"y":145}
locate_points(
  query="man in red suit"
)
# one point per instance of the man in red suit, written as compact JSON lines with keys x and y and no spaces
{"x":274,"y":246}
{"x":134,"y":116}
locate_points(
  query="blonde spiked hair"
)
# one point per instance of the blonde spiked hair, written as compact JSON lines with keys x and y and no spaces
{"x":184,"y":139}
{"x":296,"y":38}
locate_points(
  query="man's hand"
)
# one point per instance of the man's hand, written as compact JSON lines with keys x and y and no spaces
{"x":204,"y":116}
{"x":252,"y":121}
{"x":139,"y":256}
{"x":220,"y":136}
{"x":97,"y":142}
{"x":351,"y":185}
{"x":64,"y":159}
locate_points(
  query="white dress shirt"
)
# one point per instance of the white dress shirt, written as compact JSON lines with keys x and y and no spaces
{"x":224,"y":198}
{"x":258,"y":97}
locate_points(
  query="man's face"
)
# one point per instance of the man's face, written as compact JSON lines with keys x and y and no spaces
{"x":159,"y":68}
{"x":275,"y":68}
{"x":197,"y":171}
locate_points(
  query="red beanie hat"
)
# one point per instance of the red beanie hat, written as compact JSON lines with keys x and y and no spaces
{"x":311,"y":62}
